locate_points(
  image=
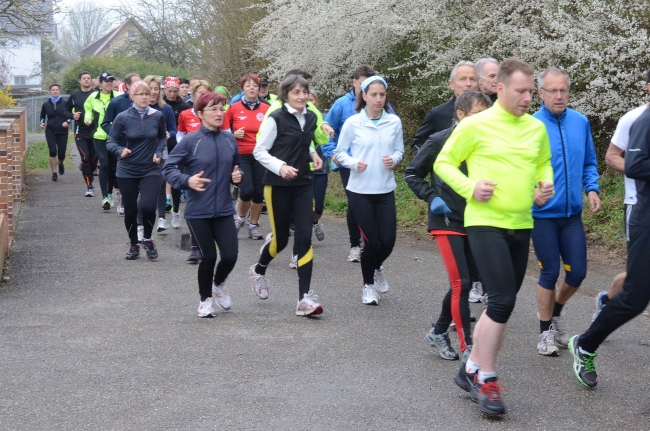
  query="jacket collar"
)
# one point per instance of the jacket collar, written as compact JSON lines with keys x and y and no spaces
{"x":550,"y":115}
{"x":207,"y":131}
{"x":366,"y":121}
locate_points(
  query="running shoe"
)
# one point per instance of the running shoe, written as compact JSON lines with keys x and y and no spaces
{"x":489,"y":398}
{"x":90,"y":192}
{"x":381,"y":285}
{"x":239,"y":222}
{"x":474,"y":293}
{"x":369,"y":295}
{"x":467,"y":382}
{"x":253,"y":231}
{"x":319,"y":232}
{"x":106,"y":204}
{"x":355,"y":254}
{"x":599,"y":304}
{"x":176,"y":220}
{"x":183,"y":195}
{"x":220,"y":295}
{"x":205,"y":308}
{"x":110,"y":200}
{"x":561,"y":336}
{"x":168,"y":205}
{"x":584,"y":364}
{"x":140,"y":232}
{"x":194,"y":256}
{"x":546,"y":345}
{"x":260,"y":287}
{"x":150,"y":248}
{"x":267,"y":240}
{"x":162,"y":225}
{"x":467,"y":352}
{"x":442,"y":344}
{"x":133,"y":253}
{"x":61,"y":169}
{"x":308,"y":305}
{"x":54,"y":176}
{"x":117,"y":196}
{"x":294,"y":262}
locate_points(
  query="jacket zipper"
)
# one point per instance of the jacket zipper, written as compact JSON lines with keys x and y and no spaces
{"x":566,"y":175}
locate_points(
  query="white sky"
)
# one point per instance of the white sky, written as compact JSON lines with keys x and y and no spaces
{"x":68,"y":5}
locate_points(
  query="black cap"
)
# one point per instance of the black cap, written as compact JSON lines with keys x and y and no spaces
{"x":105,"y":77}
{"x":264,"y":80}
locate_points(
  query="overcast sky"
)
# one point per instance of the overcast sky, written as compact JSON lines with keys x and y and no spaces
{"x":68,"y":5}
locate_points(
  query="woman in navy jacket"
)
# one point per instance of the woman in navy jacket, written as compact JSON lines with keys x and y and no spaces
{"x":211,"y":159}
{"x":56,"y":132}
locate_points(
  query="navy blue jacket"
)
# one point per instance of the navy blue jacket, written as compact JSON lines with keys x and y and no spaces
{"x":574,"y":162}
{"x":117,"y":105}
{"x":214,"y":153}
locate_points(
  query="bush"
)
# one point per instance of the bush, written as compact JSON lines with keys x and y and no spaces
{"x":118,"y":66}
{"x":6,"y":101}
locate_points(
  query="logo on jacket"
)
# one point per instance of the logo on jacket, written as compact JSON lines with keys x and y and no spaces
{"x":259,"y":116}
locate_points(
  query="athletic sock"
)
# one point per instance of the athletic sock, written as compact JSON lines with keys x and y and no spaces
{"x":471,"y":367}
{"x":168,"y":196}
{"x":544,"y":325}
{"x":483,"y":376}
{"x":557,"y":309}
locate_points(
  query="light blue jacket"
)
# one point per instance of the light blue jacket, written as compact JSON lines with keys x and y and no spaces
{"x":574,"y":162}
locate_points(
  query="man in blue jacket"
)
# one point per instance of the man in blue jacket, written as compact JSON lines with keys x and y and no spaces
{"x":558,"y":229}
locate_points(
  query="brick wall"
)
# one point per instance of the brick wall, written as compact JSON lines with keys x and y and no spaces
{"x":13,"y":144}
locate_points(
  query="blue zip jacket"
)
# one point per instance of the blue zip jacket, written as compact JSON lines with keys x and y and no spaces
{"x":341,"y":110}
{"x":116,"y":106}
{"x":574,"y":162}
{"x":214,"y":153}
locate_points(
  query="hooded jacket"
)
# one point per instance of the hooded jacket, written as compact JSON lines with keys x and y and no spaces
{"x":216,"y":154}
{"x":574,"y":162}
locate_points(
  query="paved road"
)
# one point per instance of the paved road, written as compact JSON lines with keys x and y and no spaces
{"x":92,"y":341}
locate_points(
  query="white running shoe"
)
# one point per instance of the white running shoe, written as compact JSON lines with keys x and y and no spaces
{"x":220,"y":295}
{"x":355,"y":254}
{"x":308,"y":305}
{"x":294,"y":262}
{"x":546,"y":345}
{"x":162,"y":225}
{"x":254,"y":231}
{"x":176,"y":220}
{"x":381,"y":285}
{"x":239,"y":222}
{"x":369,"y":295}
{"x":318,"y":230}
{"x":111,"y":201}
{"x":117,"y":196}
{"x":260,"y":287}
{"x":106,"y":204}
{"x":561,"y":335}
{"x":140,"y":233}
{"x":90,"y":192}
{"x":599,"y":304}
{"x":269,"y":238}
{"x":205,"y":308}
{"x":475,"y":293}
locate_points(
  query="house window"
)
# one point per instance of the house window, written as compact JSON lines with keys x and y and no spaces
{"x":131,"y":34}
{"x":20,"y":80}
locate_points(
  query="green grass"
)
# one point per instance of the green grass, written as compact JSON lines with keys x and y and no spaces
{"x":604,"y":229}
{"x":37,"y":156}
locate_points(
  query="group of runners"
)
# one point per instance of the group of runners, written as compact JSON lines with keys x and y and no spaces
{"x":492,"y":175}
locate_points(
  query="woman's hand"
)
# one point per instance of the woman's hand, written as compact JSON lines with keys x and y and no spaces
{"x":156,"y":159}
{"x":239,"y":133}
{"x":125,"y":152}
{"x":388,"y":161}
{"x":236,"y":175}
{"x":318,"y":163}
{"x":361,"y":166}
{"x":197,"y":183}
{"x":42,"y":125}
{"x":288,"y":172}
{"x":328,"y":130}
{"x":64,"y":125}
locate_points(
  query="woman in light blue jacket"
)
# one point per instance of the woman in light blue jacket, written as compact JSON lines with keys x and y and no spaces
{"x":376,"y":145}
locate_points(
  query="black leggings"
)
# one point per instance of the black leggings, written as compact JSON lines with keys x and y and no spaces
{"x":634,"y":298}
{"x":207,"y":231}
{"x":377,"y":219}
{"x":57,"y":143}
{"x":107,"y":165}
{"x":320,"y":188}
{"x":88,"y":157}
{"x":284,"y":205}
{"x":147,"y":189}
{"x":353,"y":227}
{"x":461,"y":269}
{"x":501,"y":257}
{"x":251,"y":187}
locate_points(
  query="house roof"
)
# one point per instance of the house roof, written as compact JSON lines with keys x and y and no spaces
{"x":98,"y":46}
{"x":30,"y":17}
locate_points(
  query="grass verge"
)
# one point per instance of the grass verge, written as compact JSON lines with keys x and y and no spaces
{"x":38,"y":155}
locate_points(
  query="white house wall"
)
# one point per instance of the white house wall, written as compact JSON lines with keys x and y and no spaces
{"x":23,"y":58}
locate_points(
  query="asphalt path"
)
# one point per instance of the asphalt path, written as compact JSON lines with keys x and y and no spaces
{"x":90,"y":340}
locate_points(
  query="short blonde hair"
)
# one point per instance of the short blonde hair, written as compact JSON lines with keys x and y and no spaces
{"x":152,"y":78}
{"x":200,"y":83}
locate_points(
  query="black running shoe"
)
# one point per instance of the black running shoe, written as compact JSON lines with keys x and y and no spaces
{"x":195,"y":256}
{"x":467,"y":382}
{"x":489,"y":398}
{"x":152,"y":253}
{"x":54,"y":176}
{"x":584,"y":364}
{"x":133,"y":253}
{"x":61,"y":169}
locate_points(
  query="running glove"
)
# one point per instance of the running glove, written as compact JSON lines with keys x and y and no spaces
{"x":439,"y":207}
